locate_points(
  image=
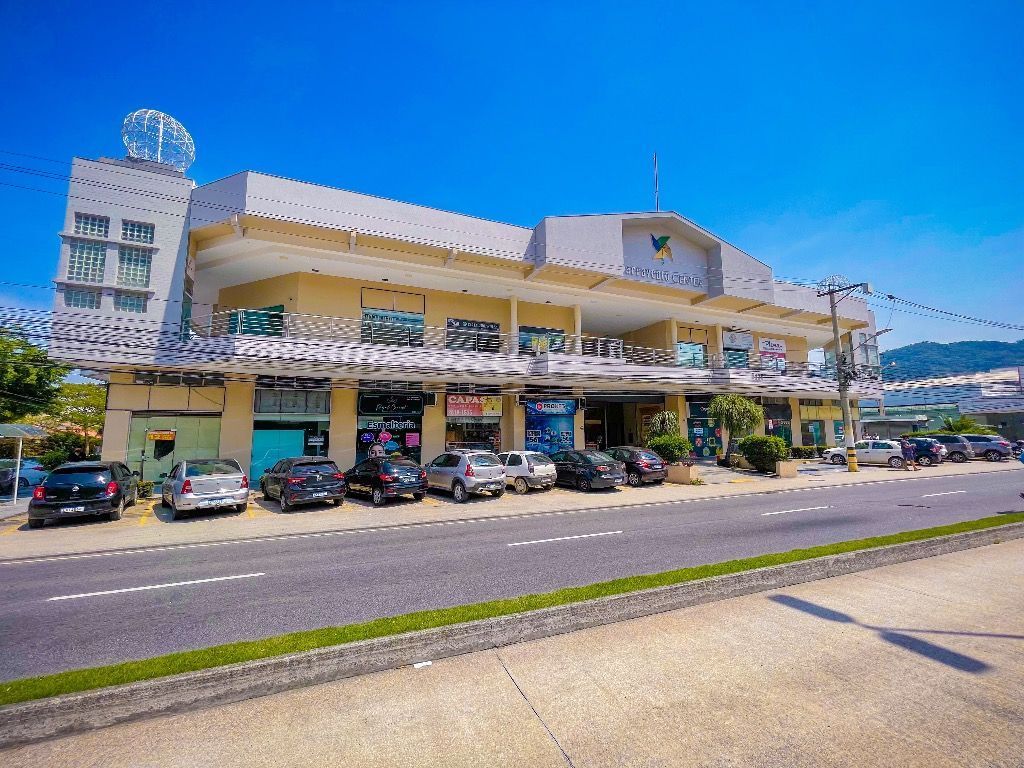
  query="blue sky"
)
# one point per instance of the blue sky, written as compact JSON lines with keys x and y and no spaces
{"x":879,"y":140}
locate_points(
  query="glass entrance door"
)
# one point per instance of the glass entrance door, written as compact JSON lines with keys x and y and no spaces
{"x":271,"y":445}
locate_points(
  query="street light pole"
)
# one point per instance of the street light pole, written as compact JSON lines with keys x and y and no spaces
{"x":844,"y":387}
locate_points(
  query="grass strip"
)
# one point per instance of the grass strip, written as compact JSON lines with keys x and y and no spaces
{"x":78,"y":680}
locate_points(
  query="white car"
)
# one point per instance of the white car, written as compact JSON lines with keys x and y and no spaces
{"x":869,"y":452}
{"x":528,"y":469}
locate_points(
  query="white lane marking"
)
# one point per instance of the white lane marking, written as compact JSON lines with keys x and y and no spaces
{"x":802,"y":509}
{"x":563,"y":538}
{"x":944,"y":493}
{"x":154,"y":586}
{"x":421,"y":664}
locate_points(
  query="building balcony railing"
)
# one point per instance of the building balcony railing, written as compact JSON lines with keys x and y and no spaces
{"x":588,"y":357}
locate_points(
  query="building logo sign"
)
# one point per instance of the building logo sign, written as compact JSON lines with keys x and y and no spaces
{"x":373,"y":404}
{"x":473,"y":405}
{"x":661,"y":249}
{"x":551,"y":407}
{"x":663,"y":276}
{"x":739,"y":340}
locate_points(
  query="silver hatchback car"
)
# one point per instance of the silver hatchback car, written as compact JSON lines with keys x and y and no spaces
{"x":202,"y":484}
{"x":463,"y":472}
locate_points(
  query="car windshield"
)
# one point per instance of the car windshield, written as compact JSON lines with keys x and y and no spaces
{"x":218,"y":467}
{"x":318,"y":468}
{"x":390,"y":466}
{"x":539,"y":459}
{"x":648,"y":456}
{"x":78,"y":476}
{"x":595,"y":457}
{"x":484,"y":460}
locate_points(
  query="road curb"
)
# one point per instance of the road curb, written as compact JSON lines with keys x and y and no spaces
{"x":63,"y":715}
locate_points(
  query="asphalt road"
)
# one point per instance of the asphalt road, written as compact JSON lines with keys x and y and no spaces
{"x":51,"y":618}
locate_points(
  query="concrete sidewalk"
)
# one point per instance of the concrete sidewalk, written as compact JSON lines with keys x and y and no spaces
{"x":148,"y":524}
{"x":920,"y":663}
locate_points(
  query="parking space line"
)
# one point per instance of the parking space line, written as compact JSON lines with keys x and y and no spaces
{"x":145,"y":517}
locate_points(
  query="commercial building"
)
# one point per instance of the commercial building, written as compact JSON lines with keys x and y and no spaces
{"x":256,"y":317}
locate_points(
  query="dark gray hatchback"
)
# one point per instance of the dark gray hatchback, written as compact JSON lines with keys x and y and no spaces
{"x":83,"y":488}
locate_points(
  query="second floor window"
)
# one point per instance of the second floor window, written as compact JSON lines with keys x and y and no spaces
{"x":87,"y":261}
{"x":81,"y":299}
{"x":91,"y":225}
{"x":137,"y":231}
{"x":133,"y":266}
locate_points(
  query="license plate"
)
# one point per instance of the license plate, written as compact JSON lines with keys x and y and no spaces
{"x":318,"y":494}
{"x":655,"y":466}
{"x":215,"y":502}
{"x":65,"y":510}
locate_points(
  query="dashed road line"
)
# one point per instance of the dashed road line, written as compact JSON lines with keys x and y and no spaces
{"x":802,"y":509}
{"x":154,"y":586}
{"x":944,"y":493}
{"x":563,"y":538}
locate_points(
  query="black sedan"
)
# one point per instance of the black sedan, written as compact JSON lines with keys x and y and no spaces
{"x":304,"y":480}
{"x":642,"y":464}
{"x":384,"y":479}
{"x":927,"y":451}
{"x":588,"y":469}
{"x":84,"y":488}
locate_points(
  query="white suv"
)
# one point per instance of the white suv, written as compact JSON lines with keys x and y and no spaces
{"x":528,"y":469}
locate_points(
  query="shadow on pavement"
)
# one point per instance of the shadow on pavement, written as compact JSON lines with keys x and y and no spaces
{"x":916,"y":645}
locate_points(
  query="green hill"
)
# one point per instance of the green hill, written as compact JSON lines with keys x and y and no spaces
{"x":927,"y":358}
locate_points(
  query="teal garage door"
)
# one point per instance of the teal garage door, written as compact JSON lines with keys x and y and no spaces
{"x":271,"y":445}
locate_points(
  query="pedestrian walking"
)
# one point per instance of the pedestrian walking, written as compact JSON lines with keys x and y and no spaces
{"x":909,"y":462}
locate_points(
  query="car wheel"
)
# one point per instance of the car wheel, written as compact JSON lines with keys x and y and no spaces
{"x":925,"y":461}
{"x":135,"y":498}
{"x":23,"y":482}
{"x":378,"y":498}
{"x":957,"y":457}
{"x":520,"y":486}
{"x":240,"y":508}
{"x":499,"y":493}
{"x":896,"y":462}
{"x":837,"y":459}
{"x":36,"y":522}
{"x":337,"y":502}
{"x":459,"y":493}
{"x":163,"y":501}
{"x":175,"y":514}
{"x":993,"y":455}
{"x":634,"y":479}
{"x":582,"y":484}
{"x":419,"y":496}
{"x":115,"y":514}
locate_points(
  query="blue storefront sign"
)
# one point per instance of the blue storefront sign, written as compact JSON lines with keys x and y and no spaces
{"x":550,"y":425}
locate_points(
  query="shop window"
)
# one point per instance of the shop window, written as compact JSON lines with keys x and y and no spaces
{"x":812,"y":432}
{"x":691,"y":355}
{"x":534,"y":340}
{"x":392,"y":327}
{"x":737,"y":358}
{"x":268,"y":321}
{"x":291,"y":401}
{"x":472,"y":335}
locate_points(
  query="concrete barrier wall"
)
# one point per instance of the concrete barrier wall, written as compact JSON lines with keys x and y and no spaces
{"x":62,"y":715}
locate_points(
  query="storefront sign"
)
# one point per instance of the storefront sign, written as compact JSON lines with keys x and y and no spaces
{"x":663,"y":276}
{"x":315,"y":440}
{"x":551,"y":407}
{"x":161,"y":434}
{"x":382,"y":437}
{"x":474,"y":335}
{"x":389,"y":404}
{"x":773,"y":353}
{"x":738,"y":340}
{"x":473,"y":405}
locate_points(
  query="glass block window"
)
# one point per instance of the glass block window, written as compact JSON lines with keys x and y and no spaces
{"x":81,"y":299}
{"x":93,"y":226}
{"x":129,"y":302}
{"x":133,"y":266}
{"x":87,"y":261}
{"x":137,"y":231}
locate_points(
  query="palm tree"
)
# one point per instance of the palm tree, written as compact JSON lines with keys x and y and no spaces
{"x":965,"y":425}
{"x":739,"y":415}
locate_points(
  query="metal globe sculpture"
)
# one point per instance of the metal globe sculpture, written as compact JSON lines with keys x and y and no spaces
{"x":152,"y":135}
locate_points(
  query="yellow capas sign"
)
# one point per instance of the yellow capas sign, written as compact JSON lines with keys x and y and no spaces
{"x":161,"y":434}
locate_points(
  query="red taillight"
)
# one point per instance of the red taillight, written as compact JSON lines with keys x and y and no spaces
{"x":602,"y":468}
{"x":296,"y":480}
{"x":338,"y":475}
{"x":386,"y":478}
{"x":111,"y":488}
{"x":470,"y":472}
{"x":186,"y":487}
{"x":423,"y":473}
{"x":39,"y":494}
{"x":644,"y":463}
{"x":245,"y":482}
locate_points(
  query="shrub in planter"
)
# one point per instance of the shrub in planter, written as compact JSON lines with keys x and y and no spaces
{"x":804,"y":452}
{"x":145,"y":489}
{"x":762,"y":451}
{"x":671,"y":448}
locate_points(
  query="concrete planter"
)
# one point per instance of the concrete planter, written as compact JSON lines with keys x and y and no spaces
{"x":682,"y":474}
{"x":787,"y":468}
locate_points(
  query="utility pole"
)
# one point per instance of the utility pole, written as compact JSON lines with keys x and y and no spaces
{"x":831,"y":287}
{"x":657,"y":195}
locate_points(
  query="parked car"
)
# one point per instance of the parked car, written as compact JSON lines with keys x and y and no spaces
{"x":958,"y":448}
{"x":84,"y":488}
{"x":202,"y":484}
{"x":387,"y":478}
{"x":869,"y":452}
{"x":588,"y":469}
{"x":30,"y":473}
{"x":528,"y":469}
{"x":465,"y":472}
{"x":304,"y":480}
{"x":991,"y":447}
{"x":927,"y":451}
{"x":642,"y":464}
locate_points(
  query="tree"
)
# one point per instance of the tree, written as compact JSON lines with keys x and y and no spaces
{"x":663,"y":423}
{"x":965,"y":425}
{"x":82,"y":406}
{"x":739,"y":415}
{"x":29,"y":382}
